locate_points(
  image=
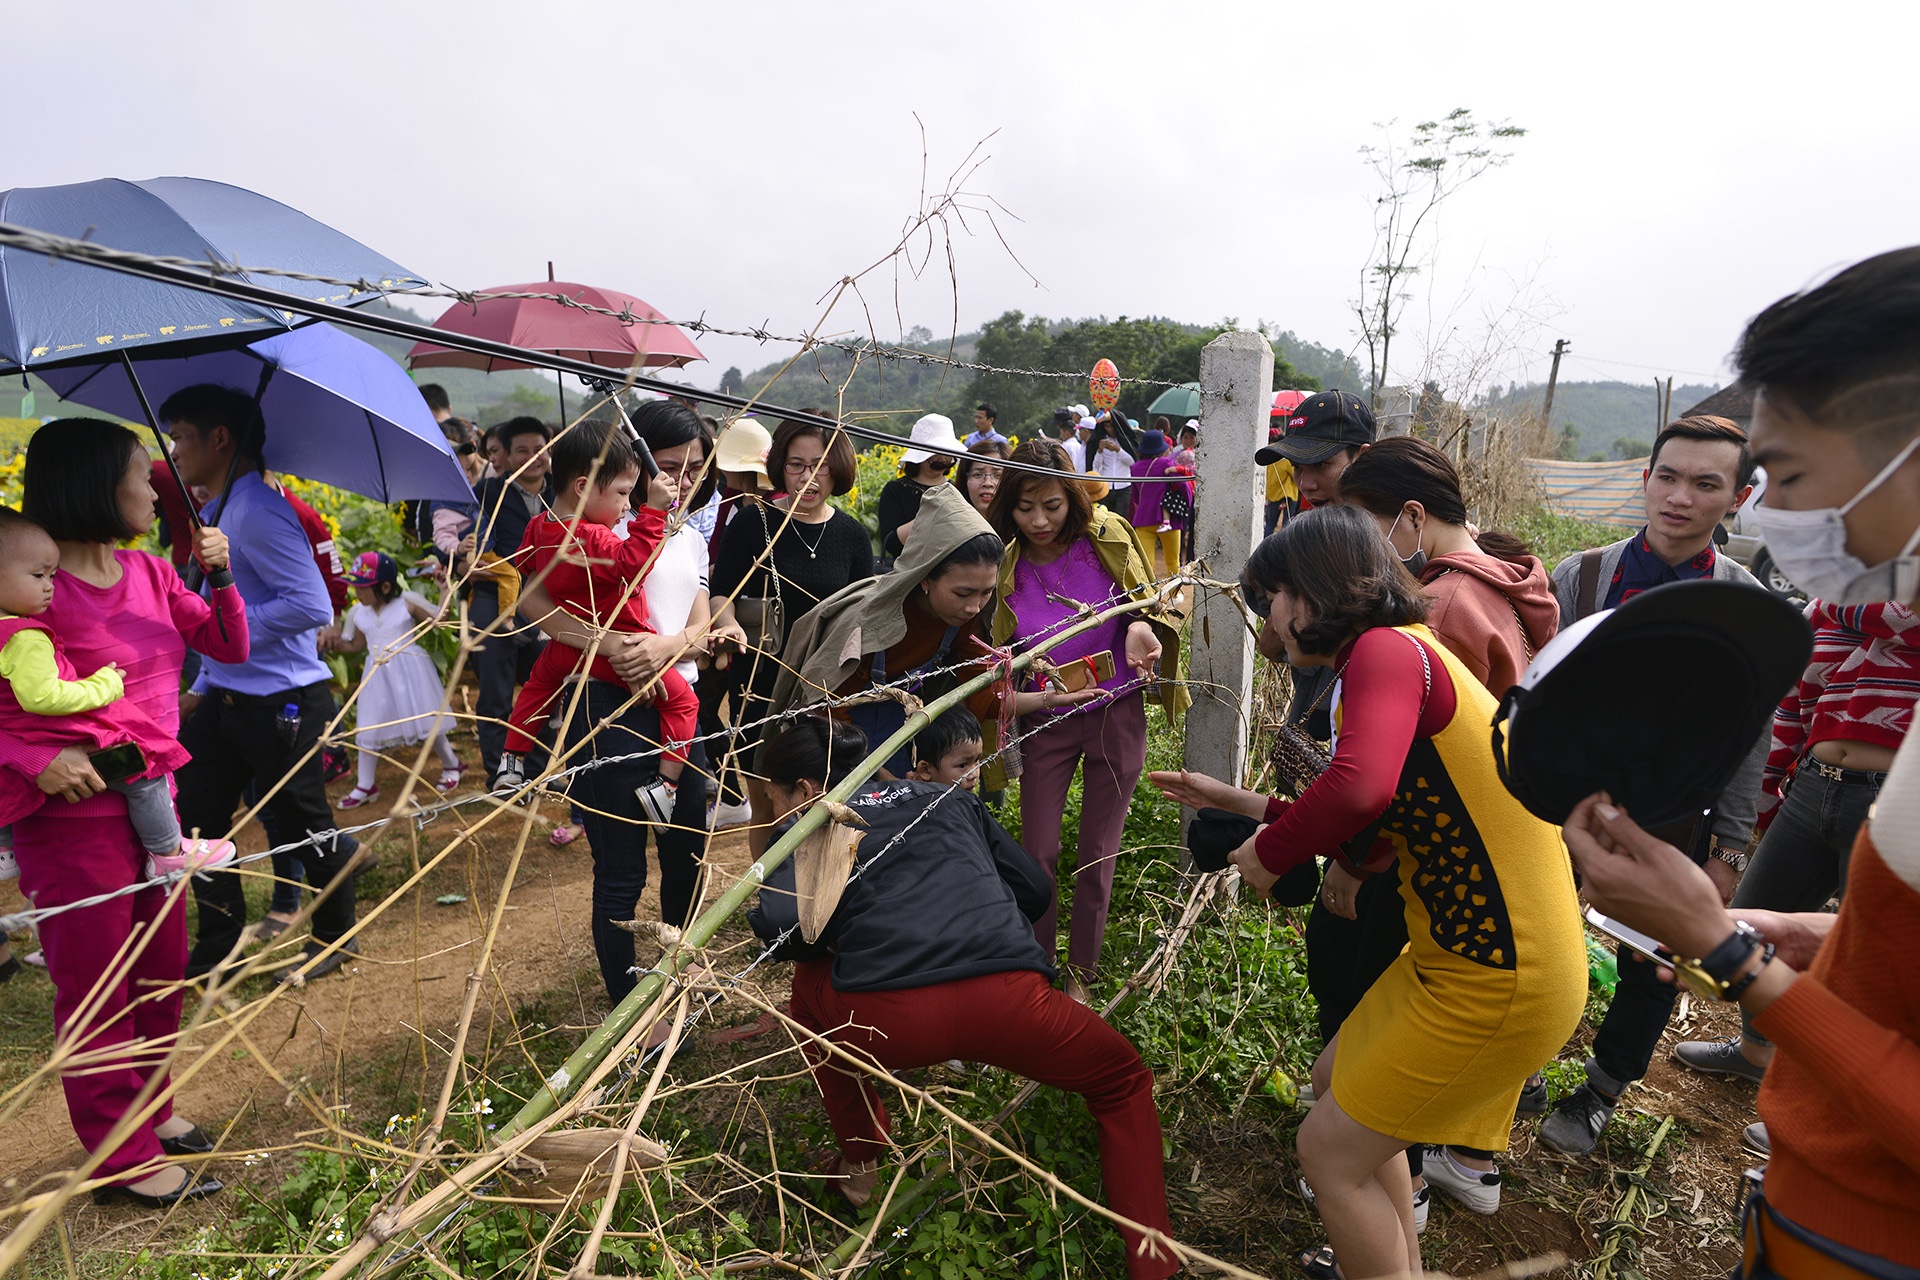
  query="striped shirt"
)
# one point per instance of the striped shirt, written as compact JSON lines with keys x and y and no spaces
{"x":1860,"y":686}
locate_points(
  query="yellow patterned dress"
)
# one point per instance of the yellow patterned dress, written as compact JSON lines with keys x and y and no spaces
{"x":1494,"y":978}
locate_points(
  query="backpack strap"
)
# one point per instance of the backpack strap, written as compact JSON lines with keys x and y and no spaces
{"x":1586,"y":600}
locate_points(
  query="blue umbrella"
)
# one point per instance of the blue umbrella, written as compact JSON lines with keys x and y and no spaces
{"x":56,"y":311}
{"x":337,"y":410}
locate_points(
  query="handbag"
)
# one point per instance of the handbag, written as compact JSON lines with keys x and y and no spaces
{"x":763,"y":618}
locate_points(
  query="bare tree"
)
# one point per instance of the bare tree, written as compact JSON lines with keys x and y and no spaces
{"x":1416,"y":176}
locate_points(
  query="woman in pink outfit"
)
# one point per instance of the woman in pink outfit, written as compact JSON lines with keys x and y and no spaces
{"x":88,"y":484}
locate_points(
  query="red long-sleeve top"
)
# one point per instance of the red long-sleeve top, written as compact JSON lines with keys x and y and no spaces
{"x":1859,"y":686}
{"x":587,"y":576}
{"x":1380,"y":705}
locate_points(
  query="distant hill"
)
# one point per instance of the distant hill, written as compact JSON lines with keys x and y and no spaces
{"x":1604,"y":413}
{"x":895,"y":392}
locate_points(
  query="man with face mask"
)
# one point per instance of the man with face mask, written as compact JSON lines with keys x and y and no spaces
{"x":1700,"y":472}
{"x":1837,"y":426}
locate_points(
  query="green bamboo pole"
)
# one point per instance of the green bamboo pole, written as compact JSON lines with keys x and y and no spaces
{"x":558,"y":1087}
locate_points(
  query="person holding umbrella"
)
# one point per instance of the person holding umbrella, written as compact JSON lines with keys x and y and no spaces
{"x":260,"y":719}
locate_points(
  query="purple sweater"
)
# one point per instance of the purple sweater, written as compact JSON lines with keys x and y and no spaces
{"x":1148,"y":509}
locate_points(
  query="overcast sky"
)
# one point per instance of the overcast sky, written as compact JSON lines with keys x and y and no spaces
{"x":1685,"y":163}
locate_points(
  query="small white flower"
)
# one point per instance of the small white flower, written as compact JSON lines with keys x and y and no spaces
{"x":486,"y":1106}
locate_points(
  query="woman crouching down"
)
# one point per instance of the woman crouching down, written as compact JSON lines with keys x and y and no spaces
{"x":930,"y":955}
{"x":1494,"y":977}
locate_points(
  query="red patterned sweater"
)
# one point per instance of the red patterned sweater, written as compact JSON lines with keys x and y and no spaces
{"x":1860,"y":685}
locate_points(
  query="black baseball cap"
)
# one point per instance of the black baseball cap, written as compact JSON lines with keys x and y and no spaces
{"x":1323,"y":425}
{"x":1657,"y":702}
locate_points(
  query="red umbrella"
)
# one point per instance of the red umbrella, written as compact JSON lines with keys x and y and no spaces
{"x":540,"y":324}
{"x":1286,"y":402}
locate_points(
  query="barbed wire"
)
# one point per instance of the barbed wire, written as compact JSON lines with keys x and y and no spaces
{"x":47,"y":243}
{"x":423,"y":816}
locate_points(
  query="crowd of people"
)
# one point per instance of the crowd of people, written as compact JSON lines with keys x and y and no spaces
{"x":681,"y":607}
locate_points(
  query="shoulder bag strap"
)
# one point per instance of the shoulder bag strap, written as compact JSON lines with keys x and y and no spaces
{"x":1586,"y":600}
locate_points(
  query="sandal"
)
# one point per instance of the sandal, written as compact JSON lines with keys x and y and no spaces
{"x":1319,"y":1263}
{"x":359,"y":796}
{"x":270,"y":928}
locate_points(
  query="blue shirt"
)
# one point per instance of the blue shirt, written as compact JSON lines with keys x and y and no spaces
{"x":287,"y":602}
{"x":1641,"y":570}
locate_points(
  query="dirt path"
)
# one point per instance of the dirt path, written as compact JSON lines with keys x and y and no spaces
{"x":410,"y":979}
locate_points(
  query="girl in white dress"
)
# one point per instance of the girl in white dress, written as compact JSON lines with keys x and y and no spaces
{"x":400,"y":691}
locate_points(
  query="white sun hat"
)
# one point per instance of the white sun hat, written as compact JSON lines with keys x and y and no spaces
{"x":933,"y":434}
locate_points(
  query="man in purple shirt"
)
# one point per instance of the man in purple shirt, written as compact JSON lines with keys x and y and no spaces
{"x":260,"y":720}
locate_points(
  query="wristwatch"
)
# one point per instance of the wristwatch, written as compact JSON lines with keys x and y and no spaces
{"x":1713,"y":976}
{"x":1734,"y":855}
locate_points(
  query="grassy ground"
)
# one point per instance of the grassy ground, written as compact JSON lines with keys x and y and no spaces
{"x":746,"y":1126}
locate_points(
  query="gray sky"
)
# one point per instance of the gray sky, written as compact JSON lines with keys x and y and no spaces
{"x":1686,"y":163}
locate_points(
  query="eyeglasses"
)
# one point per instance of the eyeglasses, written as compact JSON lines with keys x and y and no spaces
{"x":466,"y":449}
{"x":1258,"y":601}
{"x":800,"y":466}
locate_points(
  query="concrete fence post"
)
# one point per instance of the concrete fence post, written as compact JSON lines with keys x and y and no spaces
{"x":1236,"y":393}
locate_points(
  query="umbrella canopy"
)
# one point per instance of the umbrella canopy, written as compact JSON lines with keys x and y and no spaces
{"x":1286,"y":402}
{"x":54,"y":311}
{"x":336,"y":409}
{"x":1182,"y":401}
{"x":540,"y":324}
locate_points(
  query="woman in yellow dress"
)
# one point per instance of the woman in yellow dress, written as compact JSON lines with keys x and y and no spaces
{"x":1494,"y":978}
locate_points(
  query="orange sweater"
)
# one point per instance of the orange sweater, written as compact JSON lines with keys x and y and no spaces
{"x":1842,"y":1099}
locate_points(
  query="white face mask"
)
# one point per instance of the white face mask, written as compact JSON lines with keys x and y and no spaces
{"x":1811,"y":549}
{"x":1415,"y":562}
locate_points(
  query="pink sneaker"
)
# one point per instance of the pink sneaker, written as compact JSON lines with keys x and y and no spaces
{"x":194,"y":855}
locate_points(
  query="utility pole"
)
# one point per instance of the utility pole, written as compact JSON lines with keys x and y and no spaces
{"x":1553,"y":378}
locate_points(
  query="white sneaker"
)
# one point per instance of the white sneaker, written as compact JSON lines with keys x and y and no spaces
{"x":657,"y":799}
{"x":731,"y":815}
{"x":1468,"y":1188}
{"x":511,"y":777}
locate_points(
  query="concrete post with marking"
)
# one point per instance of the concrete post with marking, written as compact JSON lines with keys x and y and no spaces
{"x":1236,"y":393}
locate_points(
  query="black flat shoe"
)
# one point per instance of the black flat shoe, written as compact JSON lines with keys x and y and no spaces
{"x":194,"y":1142}
{"x":193,"y":1189}
{"x":309,"y":968}
{"x":8,"y":968}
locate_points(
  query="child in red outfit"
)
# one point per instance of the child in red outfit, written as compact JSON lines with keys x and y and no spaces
{"x":589,"y":571}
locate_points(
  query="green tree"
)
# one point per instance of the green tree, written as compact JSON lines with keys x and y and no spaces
{"x":1156,"y":349}
{"x":1625,"y":447}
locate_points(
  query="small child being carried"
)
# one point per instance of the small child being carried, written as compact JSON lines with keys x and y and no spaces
{"x":587,"y":571}
{"x":400,"y":690}
{"x":43,"y":702}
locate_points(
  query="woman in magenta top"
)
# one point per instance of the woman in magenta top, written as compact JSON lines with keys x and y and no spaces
{"x":88,"y":484}
{"x":1065,"y":558}
{"x":1152,"y":522}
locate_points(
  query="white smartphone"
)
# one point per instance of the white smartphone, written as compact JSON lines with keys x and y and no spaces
{"x":1648,"y":947}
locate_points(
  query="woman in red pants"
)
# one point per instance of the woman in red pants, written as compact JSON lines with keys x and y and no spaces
{"x":930,"y":955}
{"x":88,"y":483}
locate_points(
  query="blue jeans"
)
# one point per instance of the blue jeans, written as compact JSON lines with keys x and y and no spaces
{"x":1802,"y":860}
{"x":617,"y":826}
